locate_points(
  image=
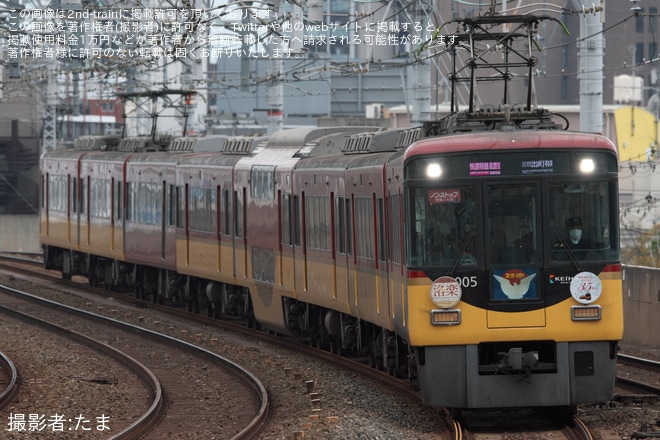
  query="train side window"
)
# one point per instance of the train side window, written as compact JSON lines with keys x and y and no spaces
{"x":171,"y":205}
{"x":83,"y":196}
{"x":130,"y":197}
{"x":364,"y":215}
{"x":99,"y":205}
{"x":226,"y":212}
{"x":73,"y":194}
{"x":394,"y":231}
{"x":118,"y":200}
{"x":349,"y":228}
{"x":181,"y":207}
{"x":318,"y":222}
{"x":57,"y":193}
{"x":262,"y":182}
{"x":340,"y":225}
{"x":203,"y":209}
{"x":297,"y":221}
{"x":238,"y":214}
{"x":287,"y":226}
{"x":382,"y":243}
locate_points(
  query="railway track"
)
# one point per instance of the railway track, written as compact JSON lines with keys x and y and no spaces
{"x":174,"y":399}
{"x":454,"y":429}
{"x":647,"y":391}
{"x":8,"y":378}
{"x":525,"y":423}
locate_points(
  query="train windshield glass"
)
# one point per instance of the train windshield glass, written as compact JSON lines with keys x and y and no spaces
{"x":512,"y":224}
{"x":444,"y":226}
{"x":581,"y":221}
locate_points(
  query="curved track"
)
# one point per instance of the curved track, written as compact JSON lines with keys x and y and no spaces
{"x":10,"y":378}
{"x":153,"y":424}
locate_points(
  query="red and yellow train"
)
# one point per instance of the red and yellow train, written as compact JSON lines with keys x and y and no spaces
{"x":444,"y":258}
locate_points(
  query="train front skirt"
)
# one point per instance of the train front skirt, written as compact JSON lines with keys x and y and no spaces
{"x":450,"y":376}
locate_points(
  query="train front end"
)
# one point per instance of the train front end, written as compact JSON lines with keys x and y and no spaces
{"x":514,"y":294}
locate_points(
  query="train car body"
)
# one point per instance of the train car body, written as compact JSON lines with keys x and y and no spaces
{"x":444,"y":260}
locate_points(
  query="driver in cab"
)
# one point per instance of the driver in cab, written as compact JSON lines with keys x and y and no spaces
{"x":574,"y":238}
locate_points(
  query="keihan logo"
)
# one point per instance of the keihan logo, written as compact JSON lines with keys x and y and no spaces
{"x":559,"y":280}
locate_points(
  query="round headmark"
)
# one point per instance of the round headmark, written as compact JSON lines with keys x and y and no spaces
{"x":446,"y":292}
{"x":586,"y":287}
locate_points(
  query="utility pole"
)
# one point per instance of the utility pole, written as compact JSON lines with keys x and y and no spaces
{"x":275,"y":89}
{"x":590,"y":62}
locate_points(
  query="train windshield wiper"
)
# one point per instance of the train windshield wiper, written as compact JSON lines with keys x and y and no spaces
{"x":568,"y":250}
{"x":461,"y":250}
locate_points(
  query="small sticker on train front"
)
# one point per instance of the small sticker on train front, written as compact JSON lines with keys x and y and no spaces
{"x":446,"y":292}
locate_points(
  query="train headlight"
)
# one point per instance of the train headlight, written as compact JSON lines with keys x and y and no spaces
{"x":446,"y":317}
{"x":586,"y":313}
{"x":433,"y":170}
{"x":587,"y":165}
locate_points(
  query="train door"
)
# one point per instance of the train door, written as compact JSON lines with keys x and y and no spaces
{"x":240,"y":233}
{"x":382,"y":277}
{"x":45,"y":212}
{"x":73,"y":214}
{"x":300,"y":251}
{"x":82,"y":218}
{"x":164,"y":220}
{"x":118,"y":214}
{"x":342,"y":246}
{"x":351,"y":259}
{"x":286,"y":248}
{"x":513,"y":252}
{"x":394,"y":224}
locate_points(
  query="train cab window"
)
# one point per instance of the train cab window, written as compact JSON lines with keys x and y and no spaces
{"x":581,"y":221}
{"x":513,"y":240}
{"x":442,"y":226}
{"x":511,"y":221}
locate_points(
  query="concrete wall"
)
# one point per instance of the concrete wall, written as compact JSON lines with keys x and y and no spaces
{"x":19,"y":233}
{"x":641,"y":306}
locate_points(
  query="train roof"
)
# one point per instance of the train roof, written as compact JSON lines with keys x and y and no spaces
{"x":326,"y":142}
{"x":162,"y":158}
{"x":509,"y":140}
{"x":209,"y":160}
